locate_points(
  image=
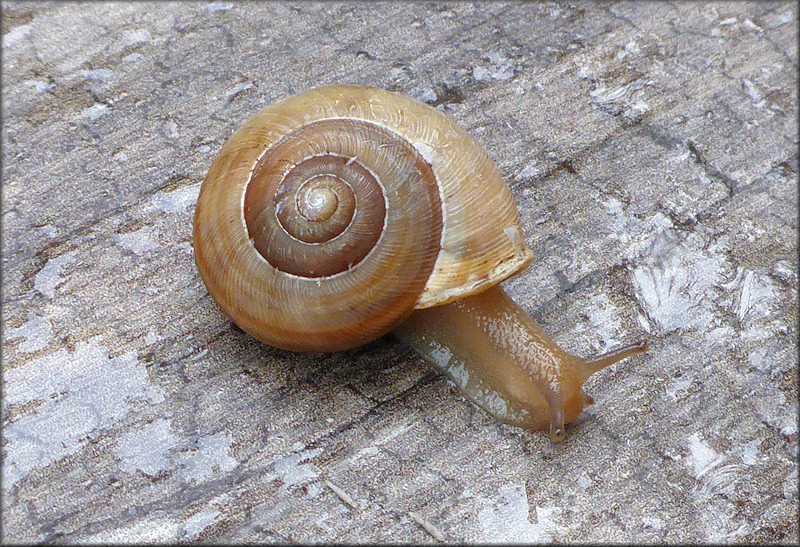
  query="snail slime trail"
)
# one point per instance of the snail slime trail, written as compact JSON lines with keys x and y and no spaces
{"x":341,"y":213}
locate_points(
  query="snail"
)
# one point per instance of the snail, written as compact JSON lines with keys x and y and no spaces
{"x":345,"y":212}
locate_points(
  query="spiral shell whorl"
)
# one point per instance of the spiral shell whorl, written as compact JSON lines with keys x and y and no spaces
{"x":316,"y":203}
{"x":338,"y":226}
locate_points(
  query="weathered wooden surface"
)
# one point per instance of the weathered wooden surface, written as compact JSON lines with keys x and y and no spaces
{"x":652,"y":150}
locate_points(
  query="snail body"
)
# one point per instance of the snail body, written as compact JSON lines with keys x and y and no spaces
{"x":331,"y":216}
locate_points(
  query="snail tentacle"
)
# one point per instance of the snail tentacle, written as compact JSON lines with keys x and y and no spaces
{"x":599,"y":362}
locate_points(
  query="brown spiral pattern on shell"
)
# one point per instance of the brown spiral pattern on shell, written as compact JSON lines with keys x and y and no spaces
{"x":312,"y":207}
{"x":343,"y":222}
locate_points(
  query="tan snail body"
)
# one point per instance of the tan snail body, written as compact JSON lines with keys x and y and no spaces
{"x":331,"y":216}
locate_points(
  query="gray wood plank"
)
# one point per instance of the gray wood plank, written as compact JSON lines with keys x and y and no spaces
{"x":652,"y":151}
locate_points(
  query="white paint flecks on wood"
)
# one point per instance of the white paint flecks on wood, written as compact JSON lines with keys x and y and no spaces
{"x":37,"y":333}
{"x":505,"y":519}
{"x":139,"y":242}
{"x":50,"y":276}
{"x":74,"y":397}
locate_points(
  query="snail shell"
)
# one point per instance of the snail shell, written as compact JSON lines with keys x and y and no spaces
{"x":331,"y":215}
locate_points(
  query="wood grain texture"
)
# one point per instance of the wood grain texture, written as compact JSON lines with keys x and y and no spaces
{"x":652,"y":151}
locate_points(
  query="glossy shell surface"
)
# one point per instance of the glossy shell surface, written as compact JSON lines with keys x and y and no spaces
{"x":329,"y":216}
